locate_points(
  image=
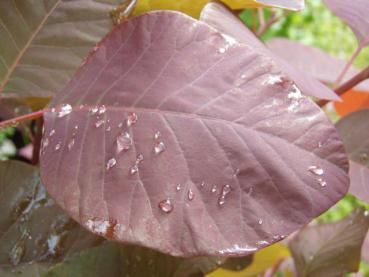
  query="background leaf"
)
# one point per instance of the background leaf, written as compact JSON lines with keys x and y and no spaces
{"x":223,"y":20}
{"x":316,"y":62}
{"x":44,"y":42}
{"x":354,"y":13}
{"x":32,"y":228}
{"x":331,"y":249}
{"x":225,"y":175}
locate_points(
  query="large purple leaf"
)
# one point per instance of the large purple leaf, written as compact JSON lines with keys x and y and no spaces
{"x":318,"y":63}
{"x":355,"y":14}
{"x":226,"y":22}
{"x":354,"y":131}
{"x":331,"y":249}
{"x":176,"y":137}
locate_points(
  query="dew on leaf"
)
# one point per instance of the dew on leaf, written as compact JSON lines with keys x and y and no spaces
{"x":178,"y":187}
{"x":190,"y":195}
{"x":98,"y":226}
{"x":102,"y":109}
{"x":111,"y":163}
{"x":71,"y":143}
{"x":214,"y":189}
{"x":159,"y":147}
{"x":134,"y":169}
{"x":65,"y":110}
{"x":17,"y":252}
{"x":52,"y":132}
{"x":99,"y":123}
{"x":166,"y":206}
{"x":322,"y":182}
{"x":316,"y":170}
{"x":260,"y":221}
{"x":57,"y":146}
{"x":132,"y":119}
{"x":157,"y":135}
{"x":94,"y":110}
{"x":124,"y":141}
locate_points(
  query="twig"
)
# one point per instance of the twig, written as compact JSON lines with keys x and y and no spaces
{"x":354,"y":81}
{"x":17,"y":120}
{"x":349,"y":63}
{"x":261,"y":17}
{"x":272,"y":19}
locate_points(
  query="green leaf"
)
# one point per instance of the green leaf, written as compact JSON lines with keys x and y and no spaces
{"x":44,"y":42}
{"x":331,"y":249}
{"x":24,"y":270}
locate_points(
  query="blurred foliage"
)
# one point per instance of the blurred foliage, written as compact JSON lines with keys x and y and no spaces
{"x":7,"y":147}
{"x":316,"y":26}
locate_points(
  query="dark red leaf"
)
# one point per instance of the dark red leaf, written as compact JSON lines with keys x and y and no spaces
{"x":224,"y":21}
{"x":354,"y":131}
{"x":176,"y":137}
{"x":331,"y":249}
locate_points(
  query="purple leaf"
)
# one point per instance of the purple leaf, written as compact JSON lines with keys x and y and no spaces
{"x":355,"y":14}
{"x":354,"y":131}
{"x":176,"y":137}
{"x":331,"y":249}
{"x":224,"y":21}
{"x":316,"y":62}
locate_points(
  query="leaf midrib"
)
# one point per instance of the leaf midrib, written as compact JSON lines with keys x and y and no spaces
{"x":26,"y":46}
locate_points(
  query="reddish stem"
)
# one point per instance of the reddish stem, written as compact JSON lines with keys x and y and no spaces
{"x":354,"y":81}
{"x":348,"y":64}
{"x":272,"y":19}
{"x":17,"y":120}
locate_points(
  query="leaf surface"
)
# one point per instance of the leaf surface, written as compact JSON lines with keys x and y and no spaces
{"x":44,"y":42}
{"x":331,"y":249}
{"x":355,"y":14}
{"x":176,"y":137}
{"x":223,"y":20}
{"x":193,"y":8}
{"x":316,"y":62}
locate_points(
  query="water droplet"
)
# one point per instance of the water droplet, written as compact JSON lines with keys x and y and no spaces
{"x":214,"y":189}
{"x":178,"y":188}
{"x":134,"y":169}
{"x":316,"y":170}
{"x":17,"y":252}
{"x":124,"y":141}
{"x":94,"y":110}
{"x":166,"y":206}
{"x":99,"y":123}
{"x":100,"y":227}
{"x":322,"y":182}
{"x":202,"y":184}
{"x":260,"y":221}
{"x":57,"y":146}
{"x":111,"y":163}
{"x":108,"y":129}
{"x":52,"y":132}
{"x":76,"y":127}
{"x":71,"y":143}
{"x":45,"y":144}
{"x":120,"y":125}
{"x":320,"y":145}
{"x":131,"y":119}
{"x":364,"y":157}
{"x":273,"y":79}
{"x":222,"y":50}
{"x":157,"y":135}
{"x":159,"y":147}
{"x":225,"y":190}
{"x":65,"y":110}
{"x":140,"y":158}
{"x":190,"y":195}
{"x":102,"y":109}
